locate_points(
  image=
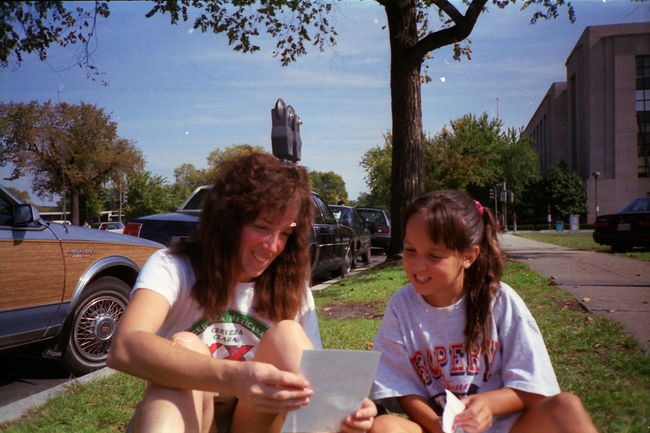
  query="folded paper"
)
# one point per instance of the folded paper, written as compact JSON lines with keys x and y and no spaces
{"x":452,"y":408}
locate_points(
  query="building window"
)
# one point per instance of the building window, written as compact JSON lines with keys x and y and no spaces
{"x":642,"y":103}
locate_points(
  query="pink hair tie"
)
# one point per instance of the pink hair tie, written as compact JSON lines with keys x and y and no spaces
{"x":479,"y":207}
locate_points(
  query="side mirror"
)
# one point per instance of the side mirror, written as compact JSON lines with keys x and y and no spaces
{"x":25,"y":214}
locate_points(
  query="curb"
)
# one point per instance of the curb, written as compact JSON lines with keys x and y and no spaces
{"x":17,"y":409}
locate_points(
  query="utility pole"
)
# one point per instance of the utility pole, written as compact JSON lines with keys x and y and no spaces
{"x":505,"y":206}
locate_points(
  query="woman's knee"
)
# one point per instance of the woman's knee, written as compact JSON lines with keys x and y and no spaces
{"x":287,"y":332}
{"x":394,"y":424}
{"x":283,"y":344}
{"x":190,"y":341}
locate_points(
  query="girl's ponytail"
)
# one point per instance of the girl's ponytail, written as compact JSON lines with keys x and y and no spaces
{"x":482,"y":282}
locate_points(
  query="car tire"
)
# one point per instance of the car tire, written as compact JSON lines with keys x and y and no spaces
{"x":91,"y":326}
{"x":346,"y":264}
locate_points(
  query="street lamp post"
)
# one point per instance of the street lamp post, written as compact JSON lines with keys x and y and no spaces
{"x":595,"y":174}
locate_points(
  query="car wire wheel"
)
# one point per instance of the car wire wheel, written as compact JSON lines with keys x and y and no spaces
{"x":94,"y":324}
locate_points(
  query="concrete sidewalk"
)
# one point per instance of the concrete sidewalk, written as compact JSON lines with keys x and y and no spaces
{"x":617,"y":288}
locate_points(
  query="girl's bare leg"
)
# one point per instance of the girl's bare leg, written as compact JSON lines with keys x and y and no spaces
{"x":281,"y":346}
{"x":169,"y":410}
{"x":394,"y":424}
{"x":562,"y":413}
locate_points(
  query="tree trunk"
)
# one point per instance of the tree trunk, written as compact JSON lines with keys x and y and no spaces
{"x":407,"y":177}
{"x":75,"y":207}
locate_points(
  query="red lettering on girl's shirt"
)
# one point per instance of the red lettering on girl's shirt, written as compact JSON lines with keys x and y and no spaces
{"x":456,"y":360}
{"x":474,"y":359}
{"x":458,"y":364}
{"x":417,"y":360}
{"x":436,"y":360}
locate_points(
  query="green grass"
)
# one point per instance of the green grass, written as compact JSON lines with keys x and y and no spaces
{"x":584,"y":241}
{"x":593,"y":357}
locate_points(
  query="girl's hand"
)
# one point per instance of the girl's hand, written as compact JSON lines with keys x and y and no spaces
{"x":361,"y":420}
{"x":264,"y":388}
{"x":477,"y":416}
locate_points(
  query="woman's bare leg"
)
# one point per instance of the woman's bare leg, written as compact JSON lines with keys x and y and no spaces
{"x":169,"y":410}
{"x":394,"y":424}
{"x":562,"y":413}
{"x":281,"y":346}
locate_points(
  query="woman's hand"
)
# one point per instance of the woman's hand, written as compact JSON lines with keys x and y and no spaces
{"x":361,"y":420}
{"x":477,"y":416}
{"x":264,"y":388}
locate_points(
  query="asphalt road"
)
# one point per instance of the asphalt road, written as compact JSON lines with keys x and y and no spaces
{"x":26,"y":374}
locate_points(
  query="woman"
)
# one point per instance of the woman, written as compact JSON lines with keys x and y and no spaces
{"x":228,"y":311}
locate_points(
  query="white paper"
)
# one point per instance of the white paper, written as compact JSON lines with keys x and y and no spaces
{"x":452,"y":408}
{"x":341,"y":379}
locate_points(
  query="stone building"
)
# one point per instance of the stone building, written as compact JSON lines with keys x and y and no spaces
{"x":598,"y":120}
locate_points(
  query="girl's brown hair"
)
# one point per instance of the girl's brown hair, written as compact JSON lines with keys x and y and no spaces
{"x":246,"y":187}
{"x":459,"y":223}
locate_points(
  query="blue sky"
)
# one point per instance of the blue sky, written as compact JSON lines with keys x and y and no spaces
{"x":179,"y":94}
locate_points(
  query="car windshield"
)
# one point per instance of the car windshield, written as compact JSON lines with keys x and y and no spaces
{"x":373,"y":216}
{"x":197,"y":200}
{"x":638,"y":205}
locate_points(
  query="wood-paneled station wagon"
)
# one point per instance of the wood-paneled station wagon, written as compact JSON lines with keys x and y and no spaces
{"x":63,"y":287}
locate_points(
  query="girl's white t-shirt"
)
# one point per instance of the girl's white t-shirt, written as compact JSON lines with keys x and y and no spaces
{"x":237,"y":332}
{"x":423,"y":353}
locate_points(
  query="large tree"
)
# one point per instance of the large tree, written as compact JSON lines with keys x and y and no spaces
{"x":329,"y":185}
{"x":66,"y":148}
{"x":472,"y":155}
{"x":412,"y":39}
{"x":149,"y":194}
{"x":296,"y":24}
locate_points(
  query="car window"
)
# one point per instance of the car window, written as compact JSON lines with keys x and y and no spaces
{"x":373,"y":216}
{"x":197,"y":200}
{"x":328,"y":216}
{"x":639,"y":205}
{"x":318,"y":214}
{"x":326,"y":213}
{"x":346,"y":217}
{"x":356,"y":219}
{"x":5,"y":212}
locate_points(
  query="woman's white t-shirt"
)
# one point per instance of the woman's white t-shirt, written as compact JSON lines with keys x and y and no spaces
{"x":237,"y":332}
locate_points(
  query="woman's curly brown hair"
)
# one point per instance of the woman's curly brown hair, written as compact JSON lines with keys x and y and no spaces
{"x":246,"y":187}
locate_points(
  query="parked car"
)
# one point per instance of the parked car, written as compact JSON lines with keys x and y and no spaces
{"x":111,"y":226}
{"x":349,"y":217}
{"x":627,"y":228}
{"x":330,"y":246}
{"x":63,"y":287}
{"x":379,"y":224}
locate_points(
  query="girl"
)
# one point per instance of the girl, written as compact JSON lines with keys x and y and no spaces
{"x":228,"y":311}
{"x":457,"y":327}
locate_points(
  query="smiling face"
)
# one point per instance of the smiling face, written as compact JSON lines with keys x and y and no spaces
{"x":263,"y":240}
{"x":435,"y":272}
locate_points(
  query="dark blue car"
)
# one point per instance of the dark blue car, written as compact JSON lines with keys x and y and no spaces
{"x":331,"y":246}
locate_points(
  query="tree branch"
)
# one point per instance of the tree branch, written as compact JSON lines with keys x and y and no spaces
{"x":463,"y":25}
